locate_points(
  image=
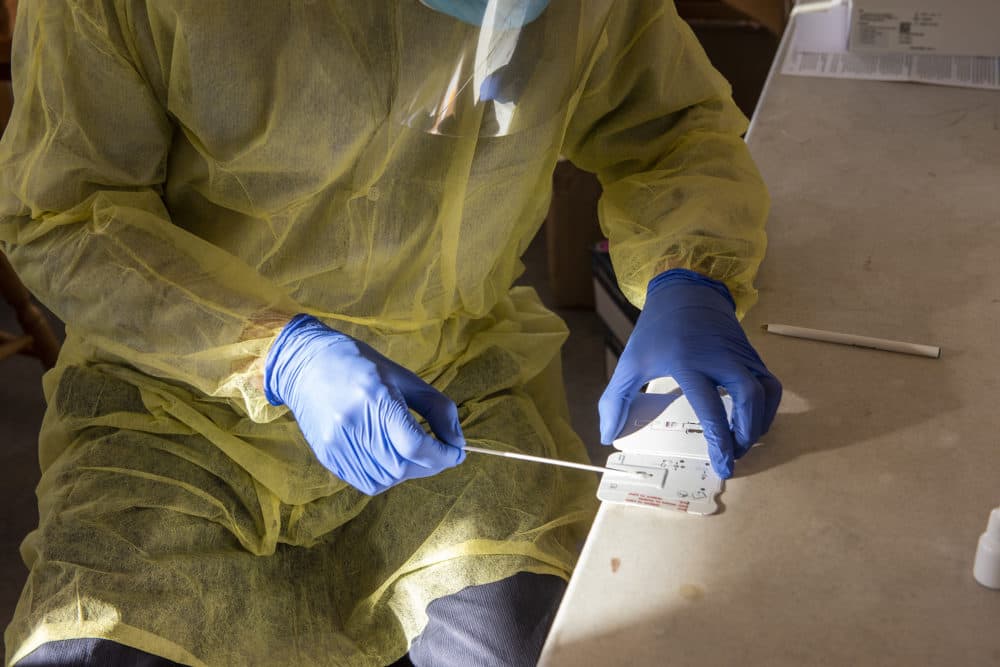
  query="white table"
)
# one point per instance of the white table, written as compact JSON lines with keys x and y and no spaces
{"x":847,"y":539}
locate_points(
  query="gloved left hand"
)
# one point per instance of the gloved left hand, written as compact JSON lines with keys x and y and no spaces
{"x":353,"y":407}
{"x":688,"y":330}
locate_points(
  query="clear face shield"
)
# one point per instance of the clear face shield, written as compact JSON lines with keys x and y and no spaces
{"x":460,"y":75}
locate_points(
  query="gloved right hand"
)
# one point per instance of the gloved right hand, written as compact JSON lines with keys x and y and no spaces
{"x":352,"y":405}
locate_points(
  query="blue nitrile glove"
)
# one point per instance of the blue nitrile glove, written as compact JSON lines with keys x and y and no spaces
{"x":689,"y":331}
{"x":352,"y":405}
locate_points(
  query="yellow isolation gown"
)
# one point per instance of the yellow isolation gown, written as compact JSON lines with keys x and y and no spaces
{"x":181,"y":176}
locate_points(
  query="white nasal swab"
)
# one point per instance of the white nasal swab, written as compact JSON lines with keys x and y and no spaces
{"x":555,"y":462}
{"x":931,"y":351}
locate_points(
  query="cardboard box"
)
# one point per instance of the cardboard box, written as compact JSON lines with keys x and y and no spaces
{"x":944,"y":27}
{"x":771,"y":13}
{"x":571,"y":230}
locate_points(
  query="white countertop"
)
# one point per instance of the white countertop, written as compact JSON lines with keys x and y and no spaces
{"x":847,"y":539}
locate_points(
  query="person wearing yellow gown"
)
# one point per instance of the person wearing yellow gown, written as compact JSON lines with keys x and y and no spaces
{"x":283,"y":237}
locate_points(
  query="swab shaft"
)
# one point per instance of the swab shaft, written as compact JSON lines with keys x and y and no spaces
{"x":554,"y":462}
{"x":857,"y":341}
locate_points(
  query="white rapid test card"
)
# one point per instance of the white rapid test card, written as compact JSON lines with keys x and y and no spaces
{"x":662,"y":436}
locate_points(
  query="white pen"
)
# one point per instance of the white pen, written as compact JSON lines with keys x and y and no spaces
{"x":931,"y":351}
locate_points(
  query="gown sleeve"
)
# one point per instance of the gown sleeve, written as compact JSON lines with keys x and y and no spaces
{"x":657,"y":124}
{"x":83,"y":221}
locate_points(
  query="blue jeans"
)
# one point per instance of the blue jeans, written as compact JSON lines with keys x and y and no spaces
{"x":503,"y":624}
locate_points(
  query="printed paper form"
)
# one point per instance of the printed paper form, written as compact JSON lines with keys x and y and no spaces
{"x":819,"y":48}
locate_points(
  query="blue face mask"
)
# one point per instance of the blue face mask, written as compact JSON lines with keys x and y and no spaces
{"x":473,"y":11}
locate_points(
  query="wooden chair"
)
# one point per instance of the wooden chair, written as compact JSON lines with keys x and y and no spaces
{"x":37,"y":339}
